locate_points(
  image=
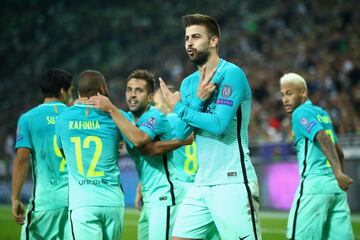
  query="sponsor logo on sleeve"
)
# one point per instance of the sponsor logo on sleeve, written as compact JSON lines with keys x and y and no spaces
{"x":226,"y":102}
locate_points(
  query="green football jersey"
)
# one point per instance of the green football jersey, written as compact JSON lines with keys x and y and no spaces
{"x":36,"y":131}
{"x":314,"y":168}
{"x":221,"y":126}
{"x":184,"y":158}
{"x":154,"y":171}
{"x":90,"y":140}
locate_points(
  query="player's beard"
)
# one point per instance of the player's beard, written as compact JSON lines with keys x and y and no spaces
{"x":201,"y":58}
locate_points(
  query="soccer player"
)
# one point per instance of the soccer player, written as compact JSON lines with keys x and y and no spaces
{"x":216,"y":104}
{"x":90,"y":139}
{"x":47,"y":212}
{"x":320,"y":209}
{"x":185,"y":157}
{"x":153,"y":164}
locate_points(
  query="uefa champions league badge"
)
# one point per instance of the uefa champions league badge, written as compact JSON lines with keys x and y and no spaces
{"x":225,"y":93}
{"x":304,"y":121}
{"x":19,"y":136}
{"x":150,"y":123}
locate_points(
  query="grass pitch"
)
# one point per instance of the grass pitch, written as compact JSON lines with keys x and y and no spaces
{"x":273,"y":225}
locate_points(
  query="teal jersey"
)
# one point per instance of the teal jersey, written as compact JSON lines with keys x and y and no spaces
{"x":154,"y":172}
{"x":314,"y":168}
{"x":90,"y":141}
{"x":221,"y":126}
{"x":184,"y":158}
{"x":36,"y":131}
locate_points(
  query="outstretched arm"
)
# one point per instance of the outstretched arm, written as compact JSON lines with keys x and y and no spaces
{"x":19,"y":174}
{"x":162,"y":147}
{"x":134,"y":134}
{"x":329,"y":149}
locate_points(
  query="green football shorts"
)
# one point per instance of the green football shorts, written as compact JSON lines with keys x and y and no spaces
{"x":232,"y":208}
{"x":96,"y":223}
{"x":320,"y":216}
{"x":52,"y":224}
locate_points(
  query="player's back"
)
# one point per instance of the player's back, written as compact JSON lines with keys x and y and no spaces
{"x":223,"y":158}
{"x":90,"y":140}
{"x":307,"y":120}
{"x":36,"y":131}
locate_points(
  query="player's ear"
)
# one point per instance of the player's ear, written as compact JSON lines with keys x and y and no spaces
{"x":214,"y":41}
{"x":102,"y":90}
{"x":303,"y":93}
{"x":150,"y":97}
{"x":63,"y":93}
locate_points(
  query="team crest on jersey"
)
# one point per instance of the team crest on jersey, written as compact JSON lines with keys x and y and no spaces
{"x":304,"y":121}
{"x":226,"y":92}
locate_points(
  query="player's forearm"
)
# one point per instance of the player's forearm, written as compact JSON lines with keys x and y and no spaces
{"x":134,"y":134}
{"x":19,"y":174}
{"x":341,"y":155}
{"x":161,"y":147}
{"x":329,"y":150}
{"x":215,"y":123}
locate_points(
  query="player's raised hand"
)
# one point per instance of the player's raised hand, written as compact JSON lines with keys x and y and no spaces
{"x":18,"y":211}
{"x":169,"y":98}
{"x":344,"y":181}
{"x":206,"y":88}
{"x":101,"y":102}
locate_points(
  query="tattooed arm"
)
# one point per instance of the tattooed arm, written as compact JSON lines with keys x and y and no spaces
{"x":341,"y":155}
{"x":330,"y":151}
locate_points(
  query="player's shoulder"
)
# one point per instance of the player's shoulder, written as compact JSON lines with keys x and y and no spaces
{"x":229,"y":68}
{"x":34,"y":111}
{"x":305,"y":110}
{"x":154,"y":112}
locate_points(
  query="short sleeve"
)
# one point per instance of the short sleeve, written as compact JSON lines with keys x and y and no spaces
{"x":23,"y":135}
{"x":305,"y":124}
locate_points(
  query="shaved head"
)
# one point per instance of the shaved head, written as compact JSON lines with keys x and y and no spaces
{"x":90,"y":83}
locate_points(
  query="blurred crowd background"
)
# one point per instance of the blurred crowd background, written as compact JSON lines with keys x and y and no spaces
{"x":317,"y":39}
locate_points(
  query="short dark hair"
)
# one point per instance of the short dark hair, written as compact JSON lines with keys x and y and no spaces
{"x":53,"y":81}
{"x":145,"y":75}
{"x":89,"y":83}
{"x":200,"y":19}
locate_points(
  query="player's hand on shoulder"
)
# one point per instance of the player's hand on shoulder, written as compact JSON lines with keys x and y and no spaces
{"x":101,"y":102}
{"x":18,"y":211}
{"x":344,"y":181}
{"x":189,"y":140}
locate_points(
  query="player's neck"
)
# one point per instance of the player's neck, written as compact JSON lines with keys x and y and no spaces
{"x":137,"y":115}
{"x":212,"y":62}
{"x":51,"y":99}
